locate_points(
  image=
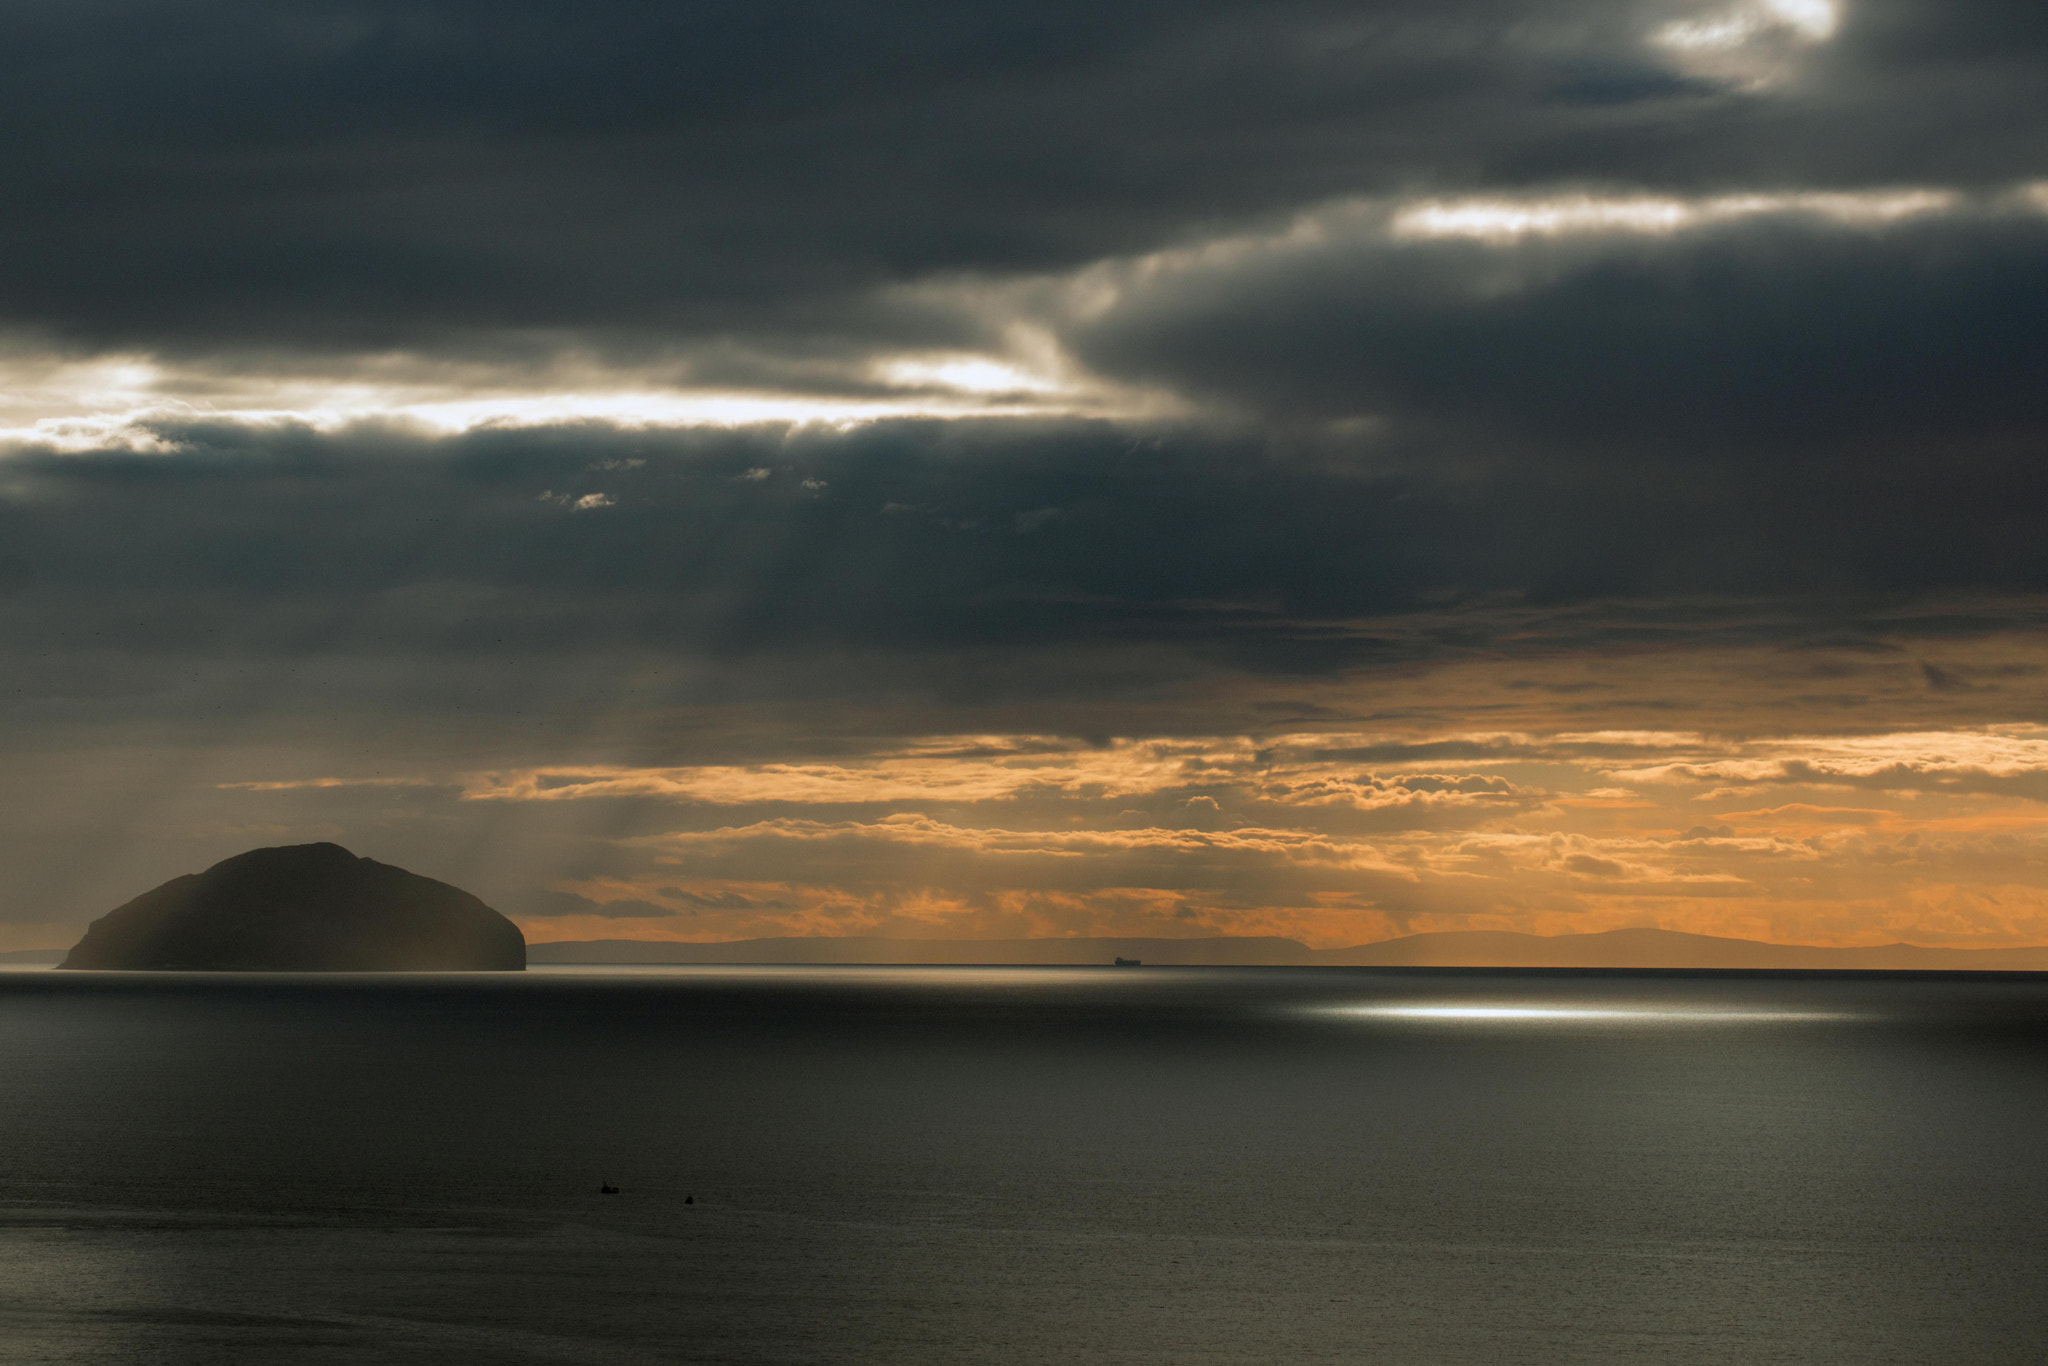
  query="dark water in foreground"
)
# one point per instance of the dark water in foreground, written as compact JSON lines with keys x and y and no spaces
{"x":1016,"y":1165}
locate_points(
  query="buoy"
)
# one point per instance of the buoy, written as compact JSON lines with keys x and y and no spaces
{"x":689,"y":1199}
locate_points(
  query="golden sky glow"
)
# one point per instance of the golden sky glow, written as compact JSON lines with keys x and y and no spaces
{"x":1836,"y":840}
{"x":1722,"y":791}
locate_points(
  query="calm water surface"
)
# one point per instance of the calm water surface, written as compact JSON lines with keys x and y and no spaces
{"x":1016,"y":1165}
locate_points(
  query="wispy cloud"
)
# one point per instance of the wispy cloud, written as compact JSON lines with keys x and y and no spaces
{"x":321,"y":784}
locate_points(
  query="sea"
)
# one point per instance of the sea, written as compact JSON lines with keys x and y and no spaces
{"x":859,"y":1164}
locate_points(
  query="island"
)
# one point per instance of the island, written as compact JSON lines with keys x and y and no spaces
{"x":302,"y":908}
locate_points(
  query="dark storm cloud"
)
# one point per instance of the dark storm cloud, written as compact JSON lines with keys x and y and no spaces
{"x":934,"y":540}
{"x":1610,"y":427}
{"x":1759,"y":337}
{"x":332,"y":176}
{"x":243,"y":173}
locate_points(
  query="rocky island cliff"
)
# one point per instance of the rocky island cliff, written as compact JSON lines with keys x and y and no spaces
{"x":302,"y":908}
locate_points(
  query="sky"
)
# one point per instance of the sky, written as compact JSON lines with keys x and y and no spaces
{"x":711,"y":470}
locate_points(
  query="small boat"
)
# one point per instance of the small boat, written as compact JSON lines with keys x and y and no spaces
{"x":1130,"y":962}
{"x":607,"y":1188}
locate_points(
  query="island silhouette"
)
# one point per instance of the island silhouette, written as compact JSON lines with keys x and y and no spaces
{"x":302,"y":908}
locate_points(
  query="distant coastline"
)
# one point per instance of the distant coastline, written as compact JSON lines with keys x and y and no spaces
{"x":1640,"y":948}
{"x":1455,"y":948}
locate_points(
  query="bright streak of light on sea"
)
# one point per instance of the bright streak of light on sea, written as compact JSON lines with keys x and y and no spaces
{"x":1697,"y":1015}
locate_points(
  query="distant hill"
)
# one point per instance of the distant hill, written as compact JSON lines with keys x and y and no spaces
{"x":1456,"y":948}
{"x":1664,"y":949}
